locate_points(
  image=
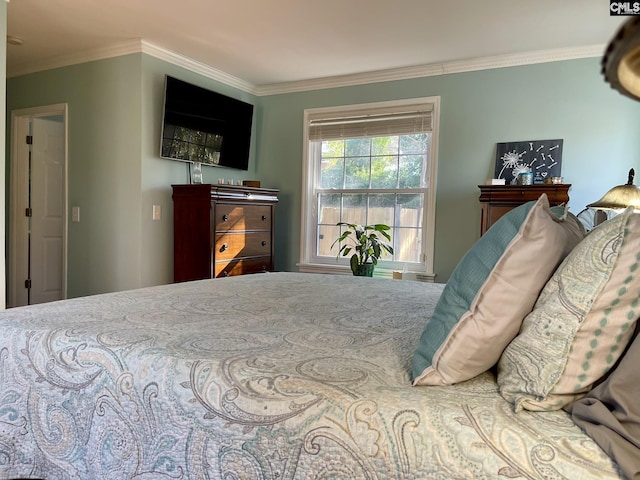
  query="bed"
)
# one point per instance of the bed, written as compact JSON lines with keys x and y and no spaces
{"x":269,"y":376}
{"x":523,"y":366}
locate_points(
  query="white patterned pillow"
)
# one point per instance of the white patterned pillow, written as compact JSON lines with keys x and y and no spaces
{"x":476,"y":317}
{"x":581,"y":322}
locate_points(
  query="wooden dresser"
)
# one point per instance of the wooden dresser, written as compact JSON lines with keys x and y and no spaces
{"x":496,"y":200}
{"x":222,"y":230}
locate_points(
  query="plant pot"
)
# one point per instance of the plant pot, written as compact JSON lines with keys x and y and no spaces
{"x":364,"y":270}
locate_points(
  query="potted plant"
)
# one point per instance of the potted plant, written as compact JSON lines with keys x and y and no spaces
{"x":367,"y":245}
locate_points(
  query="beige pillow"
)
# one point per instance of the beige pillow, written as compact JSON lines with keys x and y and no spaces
{"x":491,"y":290}
{"x":581,"y":323}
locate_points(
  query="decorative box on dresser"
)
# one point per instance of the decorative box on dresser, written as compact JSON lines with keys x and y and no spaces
{"x":222,"y":230}
{"x":496,"y":200}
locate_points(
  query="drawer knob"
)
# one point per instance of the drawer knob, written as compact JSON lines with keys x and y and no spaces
{"x":225,"y":217}
{"x":223,"y":247}
{"x":224,"y":274}
{"x":264,"y":243}
{"x":264,"y":217}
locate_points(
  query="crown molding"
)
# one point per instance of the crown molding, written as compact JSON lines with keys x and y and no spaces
{"x":406,"y":73}
{"x":116,"y":50}
{"x":530,"y":58}
{"x":197,"y":67}
{"x":135,"y":46}
{"x":435,"y":69}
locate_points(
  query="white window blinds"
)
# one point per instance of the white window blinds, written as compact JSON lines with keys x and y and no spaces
{"x":373,"y":122}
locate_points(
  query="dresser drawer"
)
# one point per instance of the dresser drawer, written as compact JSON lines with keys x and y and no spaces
{"x":221,"y":230}
{"x":496,"y":200}
{"x":242,"y":244}
{"x":242,"y":217}
{"x":242,"y":266}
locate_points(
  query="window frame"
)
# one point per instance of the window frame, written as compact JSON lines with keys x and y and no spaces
{"x":310,"y":177}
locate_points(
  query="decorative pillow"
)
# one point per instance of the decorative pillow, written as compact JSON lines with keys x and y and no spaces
{"x":610,"y":413}
{"x":581,"y":323}
{"x":490,"y":291}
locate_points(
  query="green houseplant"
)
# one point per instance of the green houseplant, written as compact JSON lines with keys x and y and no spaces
{"x":367,"y":244}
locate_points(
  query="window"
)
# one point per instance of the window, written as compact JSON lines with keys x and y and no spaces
{"x":366,"y":164}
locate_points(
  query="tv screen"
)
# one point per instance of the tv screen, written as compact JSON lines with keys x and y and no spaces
{"x":200,"y":125}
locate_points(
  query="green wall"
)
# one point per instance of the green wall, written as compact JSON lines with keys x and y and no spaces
{"x":104,"y":121}
{"x":567,"y":100}
{"x":159,"y":174}
{"x":115,"y":174}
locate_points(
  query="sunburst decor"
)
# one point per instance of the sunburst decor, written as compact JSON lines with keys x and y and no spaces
{"x":541,"y":157}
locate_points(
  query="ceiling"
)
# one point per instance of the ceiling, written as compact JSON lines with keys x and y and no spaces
{"x":267,"y":42}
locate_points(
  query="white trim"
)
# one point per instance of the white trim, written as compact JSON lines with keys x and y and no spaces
{"x":378,"y":272}
{"x":435,"y":69}
{"x":18,"y":200}
{"x":307,"y":188}
{"x":197,"y":67}
{"x":430,"y":214}
{"x":19,"y":192}
{"x":419,"y":71}
{"x":128,"y":48}
{"x":308,"y":260}
{"x":530,"y":58}
{"x":116,"y":50}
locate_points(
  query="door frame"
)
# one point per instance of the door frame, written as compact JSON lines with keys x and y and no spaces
{"x":19,"y":199}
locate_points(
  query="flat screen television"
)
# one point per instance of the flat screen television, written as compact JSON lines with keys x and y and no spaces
{"x":203,"y":126}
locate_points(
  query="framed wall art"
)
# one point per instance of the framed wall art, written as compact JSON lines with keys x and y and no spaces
{"x":541,"y":157}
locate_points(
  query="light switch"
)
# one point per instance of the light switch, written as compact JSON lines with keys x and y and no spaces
{"x":75,"y":214}
{"x":157,"y":212}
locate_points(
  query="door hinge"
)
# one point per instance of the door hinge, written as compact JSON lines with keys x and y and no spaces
{"x":27,"y":283}
{"x":29,"y":139}
{"x":28,"y":212}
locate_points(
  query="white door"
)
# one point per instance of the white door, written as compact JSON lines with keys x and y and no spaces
{"x":37,"y":247}
{"x":47,"y":209}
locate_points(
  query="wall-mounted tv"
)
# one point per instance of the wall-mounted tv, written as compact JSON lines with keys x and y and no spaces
{"x":204,"y":126}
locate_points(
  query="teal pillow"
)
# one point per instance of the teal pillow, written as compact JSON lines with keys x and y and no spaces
{"x":492,"y":289}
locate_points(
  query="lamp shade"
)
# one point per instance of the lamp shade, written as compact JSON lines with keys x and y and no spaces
{"x":620,"y":197}
{"x":621,"y":60}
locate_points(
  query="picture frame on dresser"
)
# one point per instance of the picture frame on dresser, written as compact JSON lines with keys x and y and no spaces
{"x":543,"y":158}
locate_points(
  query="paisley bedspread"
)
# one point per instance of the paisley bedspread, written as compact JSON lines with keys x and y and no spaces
{"x":271,"y":376}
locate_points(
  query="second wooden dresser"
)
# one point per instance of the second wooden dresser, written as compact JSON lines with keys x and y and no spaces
{"x":221,"y":230}
{"x":496,"y":200}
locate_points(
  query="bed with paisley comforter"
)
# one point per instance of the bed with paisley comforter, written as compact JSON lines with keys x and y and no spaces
{"x":270,"y":376}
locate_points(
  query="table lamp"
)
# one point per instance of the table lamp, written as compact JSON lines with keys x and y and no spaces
{"x":620,"y":197}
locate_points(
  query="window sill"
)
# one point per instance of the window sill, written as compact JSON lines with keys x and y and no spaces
{"x":378,"y":272}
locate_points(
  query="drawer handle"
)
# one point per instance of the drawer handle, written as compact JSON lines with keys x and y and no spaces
{"x":223,"y":247}
{"x":225,"y":217}
{"x":264,"y":243}
{"x":264,"y":217}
